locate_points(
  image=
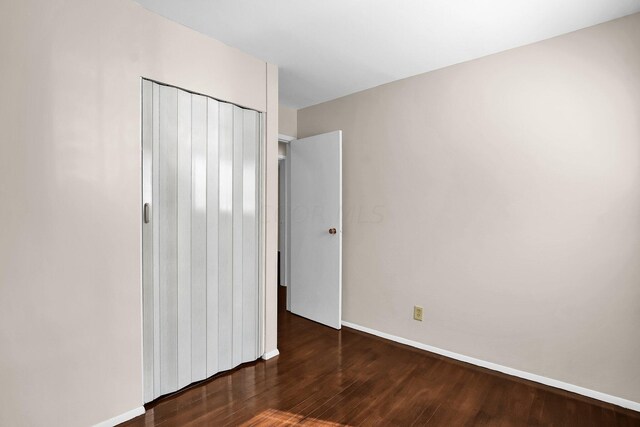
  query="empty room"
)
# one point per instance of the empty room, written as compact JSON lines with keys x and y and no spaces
{"x":322,"y":213}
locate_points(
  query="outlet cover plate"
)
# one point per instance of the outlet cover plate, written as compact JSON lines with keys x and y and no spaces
{"x":417,"y":312}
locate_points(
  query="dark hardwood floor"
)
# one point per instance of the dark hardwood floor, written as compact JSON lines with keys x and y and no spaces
{"x":325,"y":377}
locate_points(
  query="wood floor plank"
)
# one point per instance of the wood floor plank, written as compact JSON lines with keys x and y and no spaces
{"x":330,"y":378}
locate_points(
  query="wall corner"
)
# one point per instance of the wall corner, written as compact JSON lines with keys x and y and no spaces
{"x":271,"y":237}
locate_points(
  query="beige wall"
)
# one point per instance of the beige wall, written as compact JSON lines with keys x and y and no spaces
{"x":70,"y":309}
{"x":502,"y":195}
{"x":288,"y":121}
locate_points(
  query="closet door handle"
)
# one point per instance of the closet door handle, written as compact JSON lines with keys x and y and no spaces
{"x":147,"y":213}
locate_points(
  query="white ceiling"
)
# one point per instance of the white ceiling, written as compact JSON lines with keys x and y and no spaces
{"x":330,"y":48}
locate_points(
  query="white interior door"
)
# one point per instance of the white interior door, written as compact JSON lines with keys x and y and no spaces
{"x":200,"y":236}
{"x":315,"y":221}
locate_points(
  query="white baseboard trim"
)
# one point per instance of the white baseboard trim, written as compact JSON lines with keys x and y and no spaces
{"x":270,"y":354}
{"x":629,"y":404}
{"x":121,"y":418}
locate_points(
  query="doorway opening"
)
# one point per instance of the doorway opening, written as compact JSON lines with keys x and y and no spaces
{"x":283,"y":222}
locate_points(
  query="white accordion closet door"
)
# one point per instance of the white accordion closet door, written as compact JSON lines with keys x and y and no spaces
{"x":200,"y":237}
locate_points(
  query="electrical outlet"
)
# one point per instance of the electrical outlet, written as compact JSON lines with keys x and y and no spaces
{"x":417,"y":312}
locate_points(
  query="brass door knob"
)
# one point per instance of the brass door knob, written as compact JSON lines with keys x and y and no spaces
{"x":332,"y":231}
